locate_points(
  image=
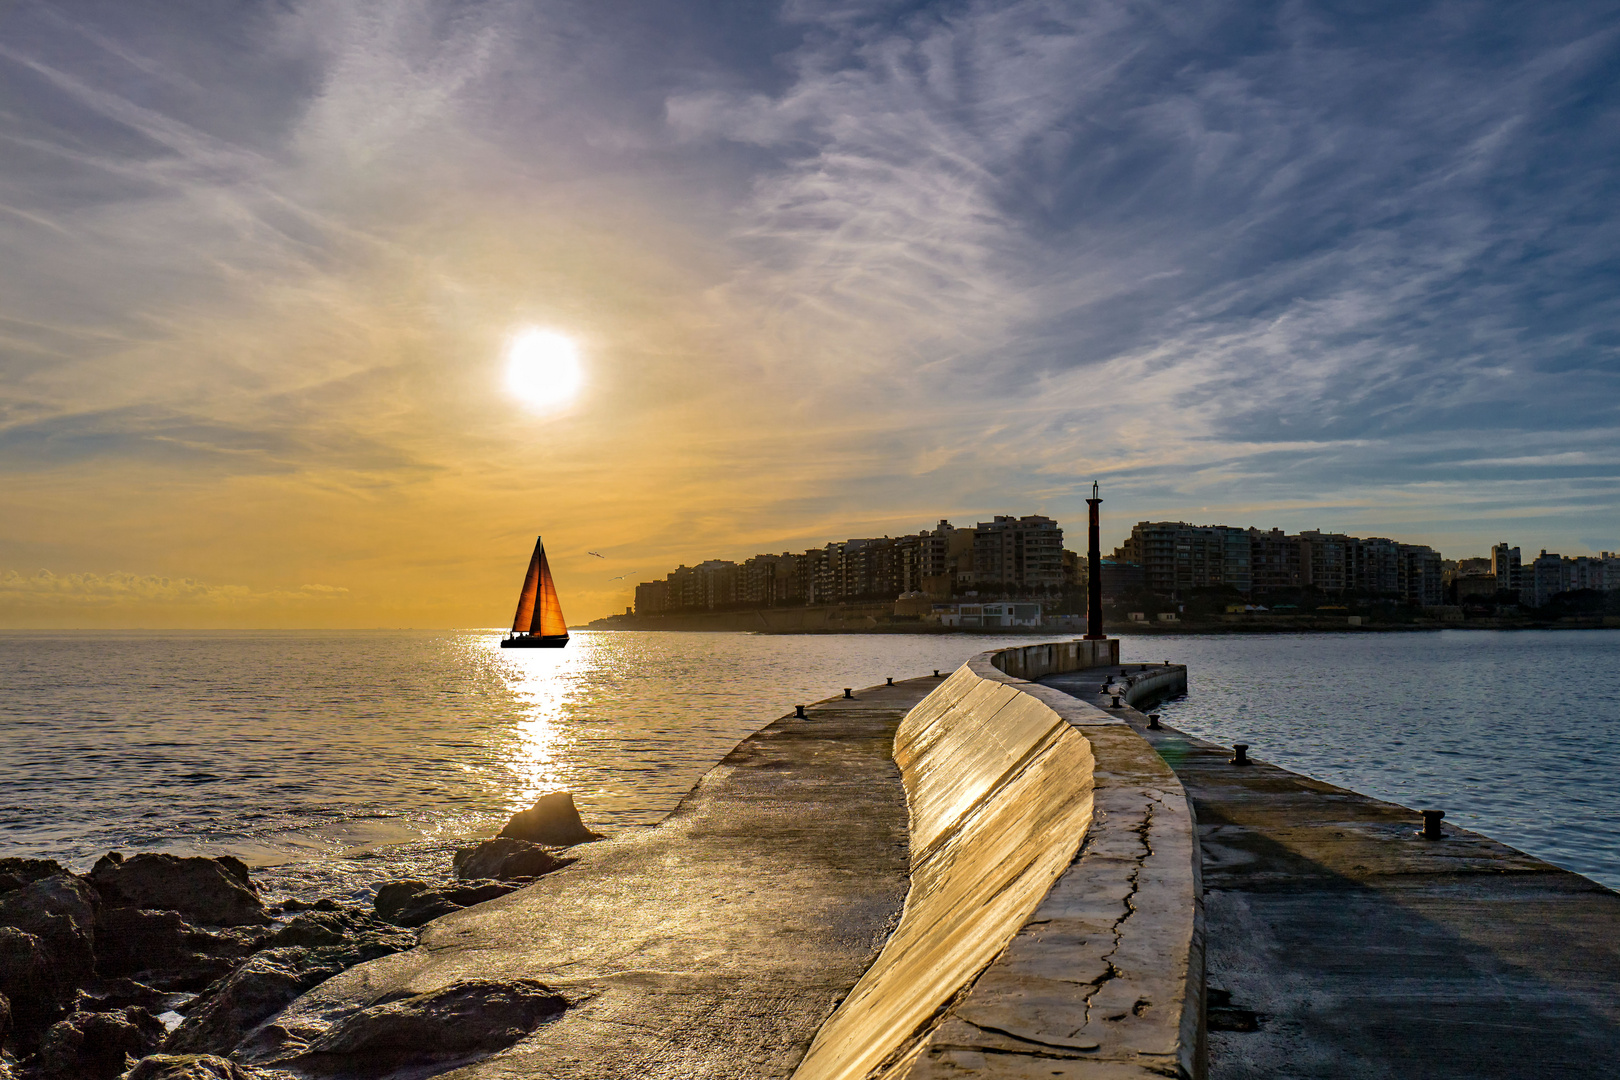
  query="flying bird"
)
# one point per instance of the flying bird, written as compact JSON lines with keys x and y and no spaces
{"x":598,"y":554}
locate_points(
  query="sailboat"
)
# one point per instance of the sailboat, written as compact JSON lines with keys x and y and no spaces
{"x":539,"y":622}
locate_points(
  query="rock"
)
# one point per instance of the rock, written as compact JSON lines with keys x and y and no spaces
{"x":5,"y":1019}
{"x":552,"y":821}
{"x":465,"y":1019}
{"x":15,"y":873}
{"x":416,"y":903}
{"x":505,"y":858}
{"x":29,"y":980}
{"x":209,"y":892}
{"x":161,"y":948}
{"x":59,"y":910}
{"x":248,"y":996}
{"x":109,"y":994}
{"x":95,"y":1046}
{"x":192,"y":1067}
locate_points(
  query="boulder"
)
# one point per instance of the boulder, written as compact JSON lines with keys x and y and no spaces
{"x":193,"y":1067}
{"x":209,"y":892}
{"x":97,"y":1046}
{"x":416,"y":903}
{"x":466,"y":1019}
{"x":250,"y":995}
{"x":162,"y":949}
{"x":15,"y":873}
{"x":60,"y":911}
{"x":506,"y":858}
{"x":5,"y":1019}
{"x":28,"y":979}
{"x":552,"y":821}
{"x":110,"y":994}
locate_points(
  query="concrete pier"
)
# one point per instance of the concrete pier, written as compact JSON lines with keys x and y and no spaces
{"x":1342,"y":944}
{"x":713,"y":945}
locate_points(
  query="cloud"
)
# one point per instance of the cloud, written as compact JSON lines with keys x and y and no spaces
{"x":45,"y":589}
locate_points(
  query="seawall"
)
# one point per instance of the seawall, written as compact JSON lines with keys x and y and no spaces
{"x":1052,"y":926}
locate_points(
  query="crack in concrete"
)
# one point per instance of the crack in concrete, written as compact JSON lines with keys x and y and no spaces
{"x":1070,"y":1047}
{"x":1143,"y":832}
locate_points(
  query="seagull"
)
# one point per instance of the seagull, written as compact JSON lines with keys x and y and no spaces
{"x":598,"y":554}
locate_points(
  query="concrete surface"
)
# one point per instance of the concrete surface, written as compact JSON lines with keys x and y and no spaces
{"x":1340,"y":944}
{"x":713,"y":945}
{"x":1052,"y":925}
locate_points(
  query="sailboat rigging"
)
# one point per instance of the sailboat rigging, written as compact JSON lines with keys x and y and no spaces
{"x":539,"y":622}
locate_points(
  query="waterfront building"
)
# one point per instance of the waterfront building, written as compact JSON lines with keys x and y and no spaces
{"x":988,"y":616}
{"x":1018,"y":554}
{"x":1506,"y":567}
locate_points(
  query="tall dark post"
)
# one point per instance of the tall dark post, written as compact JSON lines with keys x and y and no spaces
{"x":1094,"y":627}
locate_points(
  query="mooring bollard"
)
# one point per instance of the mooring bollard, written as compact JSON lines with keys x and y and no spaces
{"x":1116,"y":701}
{"x":1153,"y":721}
{"x":848,"y":692}
{"x":936,"y":673}
{"x":891,"y":680}
{"x":798,"y":711}
{"x":1431,"y":825}
{"x":1240,"y":753}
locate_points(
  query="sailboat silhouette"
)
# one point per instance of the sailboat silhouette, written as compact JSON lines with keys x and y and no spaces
{"x":539,"y":622}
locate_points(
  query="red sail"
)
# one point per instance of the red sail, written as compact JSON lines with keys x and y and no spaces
{"x":531,"y":581}
{"x":548,"y":616}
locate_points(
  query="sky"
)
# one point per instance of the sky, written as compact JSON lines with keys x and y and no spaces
{"x":833,"y":269}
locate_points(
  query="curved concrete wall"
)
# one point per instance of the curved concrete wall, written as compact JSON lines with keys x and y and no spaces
{"x":1052,"y":926}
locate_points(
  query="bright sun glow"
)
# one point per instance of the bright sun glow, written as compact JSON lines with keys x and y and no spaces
{"x":542,"y":368}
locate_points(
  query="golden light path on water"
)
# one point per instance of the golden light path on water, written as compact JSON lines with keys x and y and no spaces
{"x":541,"y":682}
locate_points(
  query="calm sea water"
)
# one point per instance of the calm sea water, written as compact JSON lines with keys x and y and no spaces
{"x":342,"y":759}
{"x":1515,"y":734}
{"x":337,"y":760}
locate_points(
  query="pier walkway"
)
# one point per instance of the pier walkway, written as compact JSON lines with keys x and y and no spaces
{"x":713,"y":945}
{"x":1342,"y":944}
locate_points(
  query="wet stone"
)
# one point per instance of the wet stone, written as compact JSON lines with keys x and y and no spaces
{"x":552,"y":821}
{"x":194,"y":1067}
{"x":464,"y":1019}
{"x":209,"y":892}
{"x":95,"y":1046}
{"x":506,"y":858}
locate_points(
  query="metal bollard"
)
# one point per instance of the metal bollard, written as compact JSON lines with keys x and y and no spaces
{"x":1431,"y":825}
{"x":1116,"y":701}
{"x":1153,"y":721}
{"x":891,"y":680}
{"x":936,"y":673}
{"x":1240,"y":753}
{"x":798,"y":711}
{"x":848,"y":692}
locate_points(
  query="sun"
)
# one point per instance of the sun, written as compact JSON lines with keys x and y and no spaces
{"x":542,"y":368}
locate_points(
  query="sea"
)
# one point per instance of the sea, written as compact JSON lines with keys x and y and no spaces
{"x":334,"y":761}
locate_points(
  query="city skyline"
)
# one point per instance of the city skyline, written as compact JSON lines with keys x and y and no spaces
{"x":315,"y":313}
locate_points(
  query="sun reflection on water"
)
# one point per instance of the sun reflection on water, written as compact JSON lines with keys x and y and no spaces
{"x":542,"y":683}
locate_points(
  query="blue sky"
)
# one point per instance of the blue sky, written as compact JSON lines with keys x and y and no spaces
{"x":835,"y":269}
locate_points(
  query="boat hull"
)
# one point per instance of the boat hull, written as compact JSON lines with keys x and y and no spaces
{"x":535,"y":641}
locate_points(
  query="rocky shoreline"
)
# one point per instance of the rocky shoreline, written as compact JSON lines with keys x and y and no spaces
{"x":162,"y":967}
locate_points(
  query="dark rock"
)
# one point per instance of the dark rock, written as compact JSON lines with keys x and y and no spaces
{"x":342,"y":928}
{"x":60,"y":911}
{"x":96,"y":1046}
{"x":552,"y":821}
{"x":210,"y":892}
{"x":109,"y":994}
{"x":463,"y":1020}
{"x":15,"y":873}
{"x":161,"y":948}
{"x":29,"y":979}
{"x":5,"y":1019}
{"x":505,"y":858}
{"x":416,"y":903}
{"x":476,"y":892}
{"x":191,"y":1067}
{"x":250,"y":995}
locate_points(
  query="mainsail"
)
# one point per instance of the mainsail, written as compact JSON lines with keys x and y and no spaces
{"x":548,"y":616}
{"x":538,"y":610}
